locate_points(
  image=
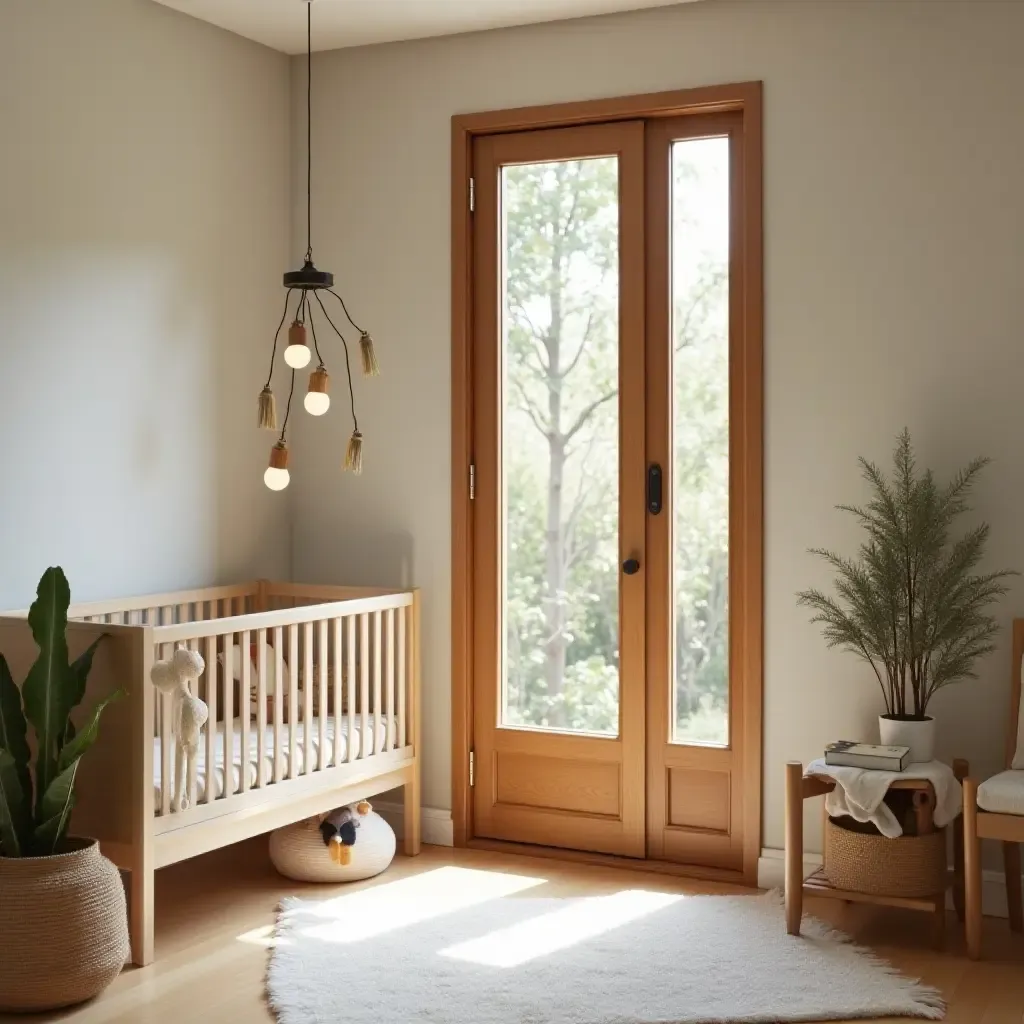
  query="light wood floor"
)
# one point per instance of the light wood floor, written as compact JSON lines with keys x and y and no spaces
{"x":213,"y":914}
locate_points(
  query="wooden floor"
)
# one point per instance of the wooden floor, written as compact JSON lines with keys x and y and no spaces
{"x":214,"y":914}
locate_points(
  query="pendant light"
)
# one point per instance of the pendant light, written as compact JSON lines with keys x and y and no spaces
{"x":304,"y":287}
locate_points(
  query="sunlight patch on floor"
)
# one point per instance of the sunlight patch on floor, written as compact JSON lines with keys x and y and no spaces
{"x":385,"y":908}
{"x":577,"y":922}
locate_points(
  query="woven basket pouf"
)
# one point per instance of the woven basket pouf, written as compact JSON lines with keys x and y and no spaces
{"x":298,"y":851}
{"x":64,"y":928}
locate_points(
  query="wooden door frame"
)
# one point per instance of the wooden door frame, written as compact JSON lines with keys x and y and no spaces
{"x":746,"y":98}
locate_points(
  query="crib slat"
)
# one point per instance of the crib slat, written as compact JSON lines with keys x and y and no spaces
{"x":401,"y":676}
{"x":245,"y":704}
{"x":307,"y":698}
{"x":166,"y":741}
{"x":350,"y":683}
{"x":378,"y":671}
{"x":211,"y":722}
{"x":228,"y":676}
{"x":322,"y":656}
{"x":193,"y":645}
{"x":364,"y":684}
{"x":389,"y":706}
{"x":261,"y":708}
{"x":279,"y":699}
{"x":338,"y":673}
{"x":293,"y":698}
{"x":183,"y":613}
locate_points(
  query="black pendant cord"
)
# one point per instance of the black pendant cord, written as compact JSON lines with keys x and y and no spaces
{"x":277,"y":334}
{"x":348,"y":367}
{"x":316,"y":346}
{"x":287,"y":409}
{"x":309,"y":131}
{"x":348,"y":317}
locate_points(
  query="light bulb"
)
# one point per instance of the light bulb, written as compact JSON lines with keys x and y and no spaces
{"x":297,"y":354}
{"x":276,"y":479}
{"x":317,"y":401}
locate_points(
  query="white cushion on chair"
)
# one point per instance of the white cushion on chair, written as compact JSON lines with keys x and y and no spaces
{"x":1018,"y":758}
{"x":1003,"y":793}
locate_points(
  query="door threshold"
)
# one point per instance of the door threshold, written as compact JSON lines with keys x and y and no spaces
{"x":658,"y":867}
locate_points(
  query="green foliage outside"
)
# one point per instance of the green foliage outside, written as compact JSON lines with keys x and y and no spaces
{"x":561,"y":445}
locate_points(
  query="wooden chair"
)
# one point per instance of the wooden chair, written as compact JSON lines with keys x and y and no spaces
{"x":995,"y":810}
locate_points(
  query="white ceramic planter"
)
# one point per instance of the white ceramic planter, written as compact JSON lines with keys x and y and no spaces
{"x":918,"y":734}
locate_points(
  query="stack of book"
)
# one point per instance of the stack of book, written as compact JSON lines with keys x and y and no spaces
{"x":847,"y":754}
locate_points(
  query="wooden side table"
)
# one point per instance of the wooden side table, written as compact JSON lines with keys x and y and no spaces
{"x":800,"y":787}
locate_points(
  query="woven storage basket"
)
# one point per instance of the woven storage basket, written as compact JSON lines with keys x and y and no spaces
{"x":64,"y":933}
{"x":910,"y":866}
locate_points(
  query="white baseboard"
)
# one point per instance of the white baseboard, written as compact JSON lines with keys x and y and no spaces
{"x":771,"y":875}
{"x":435,"y":822}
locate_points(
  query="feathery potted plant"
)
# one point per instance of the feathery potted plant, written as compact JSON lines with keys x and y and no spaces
{"x":911,"y":604}
{"x":64,"y":935}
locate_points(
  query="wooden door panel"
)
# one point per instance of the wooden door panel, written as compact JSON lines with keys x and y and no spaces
{"x":539,"y":780}
{"x":697,"y":786}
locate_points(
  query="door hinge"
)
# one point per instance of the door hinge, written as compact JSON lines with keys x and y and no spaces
{"x":472,"y":481}
{"x":472,"y":195}
{"x":472,"y":768}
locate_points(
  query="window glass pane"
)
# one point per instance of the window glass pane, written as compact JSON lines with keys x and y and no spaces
{"x":560,"y":313}
{"x":700,"y":424}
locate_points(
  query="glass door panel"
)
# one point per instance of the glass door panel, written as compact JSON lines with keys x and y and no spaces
{"x":700,"y":439}
{"x":560,"y":445}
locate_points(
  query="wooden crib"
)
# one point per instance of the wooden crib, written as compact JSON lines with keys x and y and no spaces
{"x":323,"y":711}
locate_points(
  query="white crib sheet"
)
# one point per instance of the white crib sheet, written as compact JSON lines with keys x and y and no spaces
{"x":252,"y":766}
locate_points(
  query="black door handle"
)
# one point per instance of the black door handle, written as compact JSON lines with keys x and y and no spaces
{"x":631,"y":566}
{"x":654,"y":479}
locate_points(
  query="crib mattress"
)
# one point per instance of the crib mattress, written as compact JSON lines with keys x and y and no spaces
{"x":251,"y":762}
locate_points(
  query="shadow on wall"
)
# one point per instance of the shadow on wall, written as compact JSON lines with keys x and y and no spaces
{"x":366,"y":560}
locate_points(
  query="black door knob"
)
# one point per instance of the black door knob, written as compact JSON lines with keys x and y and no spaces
{"x":631,"y":566}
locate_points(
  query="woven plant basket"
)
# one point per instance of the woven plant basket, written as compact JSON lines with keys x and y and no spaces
{"x":860,"y":861}
{"x":64,"y":933}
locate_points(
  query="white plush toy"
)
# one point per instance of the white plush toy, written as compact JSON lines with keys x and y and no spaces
{"x":188,"y":715}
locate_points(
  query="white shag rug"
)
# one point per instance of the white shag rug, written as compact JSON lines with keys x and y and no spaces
{"x":454,"y":955}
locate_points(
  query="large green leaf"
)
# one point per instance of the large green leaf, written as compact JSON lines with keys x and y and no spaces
{"x":80,"y":669}
{"x":85,"y":737}
{"x":15,"y":816}
{"x":55,"y":811}
{"x":49,"y":686}
{"x":13,"y":728}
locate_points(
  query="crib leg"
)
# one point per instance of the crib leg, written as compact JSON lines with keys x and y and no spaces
{"x":140,"y":925}
{"x":411,"y":838}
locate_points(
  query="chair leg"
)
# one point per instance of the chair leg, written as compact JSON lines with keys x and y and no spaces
{"x":972,"y":869}
{"x":1011,"y":862}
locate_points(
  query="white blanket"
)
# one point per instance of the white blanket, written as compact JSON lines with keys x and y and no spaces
{"x":861,"y":793}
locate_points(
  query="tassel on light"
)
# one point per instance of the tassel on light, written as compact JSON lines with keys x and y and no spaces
{"x":354,"y":453}
{"x":371,"y":368}
{"x":267,"y":417}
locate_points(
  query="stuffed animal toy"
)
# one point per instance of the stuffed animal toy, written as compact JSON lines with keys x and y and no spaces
{"x":188,"y":715}
{"x":339,"y":830}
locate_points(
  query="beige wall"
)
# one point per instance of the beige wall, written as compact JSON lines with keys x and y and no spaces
{"x":894,"y":249}
{"x":143,"y":221}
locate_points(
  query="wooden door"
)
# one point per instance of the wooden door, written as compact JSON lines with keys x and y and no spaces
{"x":559,"y":557}
{"x":704,"y":544}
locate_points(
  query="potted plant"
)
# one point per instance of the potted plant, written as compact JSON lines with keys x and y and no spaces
{"x":64,"y":936}
{"x":911,"y":604}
